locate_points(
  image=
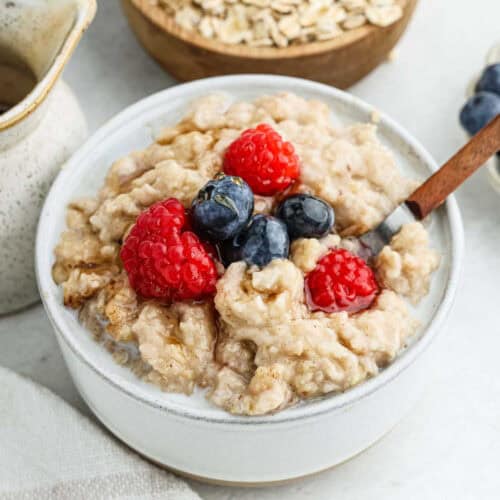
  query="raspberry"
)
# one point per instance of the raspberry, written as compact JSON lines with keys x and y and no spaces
{"x":340,"y":281}
{"x":163,"y":259}
{"x":263,"y":159}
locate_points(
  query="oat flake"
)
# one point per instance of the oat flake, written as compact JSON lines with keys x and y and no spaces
{"x":384,"y":16}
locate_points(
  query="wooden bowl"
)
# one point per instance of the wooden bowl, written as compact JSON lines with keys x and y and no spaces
{"x":187,"y":55}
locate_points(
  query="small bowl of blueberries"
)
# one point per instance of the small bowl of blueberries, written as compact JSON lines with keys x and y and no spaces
{"x":483,"y":105}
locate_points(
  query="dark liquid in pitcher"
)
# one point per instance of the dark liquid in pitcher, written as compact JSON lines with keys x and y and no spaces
{"x":4,"y":107}
{"x":16,"y":81}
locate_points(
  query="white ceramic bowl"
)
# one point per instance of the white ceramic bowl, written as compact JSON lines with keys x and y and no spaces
{"x":186,"y":433}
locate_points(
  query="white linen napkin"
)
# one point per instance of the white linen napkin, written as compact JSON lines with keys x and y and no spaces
{"x":50,"y":451}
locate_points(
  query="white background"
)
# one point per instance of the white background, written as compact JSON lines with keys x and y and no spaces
{"x":449,"y":446}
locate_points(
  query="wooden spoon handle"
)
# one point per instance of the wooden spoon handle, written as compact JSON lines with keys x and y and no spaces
{"x":456,"y":170}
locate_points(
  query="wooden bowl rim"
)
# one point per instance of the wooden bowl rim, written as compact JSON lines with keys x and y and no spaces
{"x":162,"y":20}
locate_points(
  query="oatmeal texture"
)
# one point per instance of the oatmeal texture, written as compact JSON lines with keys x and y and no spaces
{"x":178,"y":343}
{"x":256,"y":347}
{"x":406,"y":265}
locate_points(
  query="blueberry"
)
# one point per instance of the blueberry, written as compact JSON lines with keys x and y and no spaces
{"x":265,"y":239}
{"x":306,"y":216}
{"x":222,"y":208}
{"x":230,"y":251}
{"x":490,"y":80}
{"x":478,"y":111}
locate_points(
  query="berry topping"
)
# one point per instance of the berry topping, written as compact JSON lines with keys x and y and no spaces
{"x":340,"y":281}
{"x":306,"y":216}
{"x":262,"y":158}
{"x":479,"y":110}
{"x":222,"y":208}
{"x":165,"y":261}
{"x":490,"y":80}
{"x":264,"y":239}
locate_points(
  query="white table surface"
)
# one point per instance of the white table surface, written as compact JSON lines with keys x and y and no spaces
{"x":449,"y":446}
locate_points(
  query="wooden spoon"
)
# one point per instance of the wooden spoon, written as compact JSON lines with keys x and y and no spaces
{"x":434,"y":191}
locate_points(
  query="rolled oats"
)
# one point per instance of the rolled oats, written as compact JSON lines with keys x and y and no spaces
{"x":279,"y":23}
{"x":353,"y":21}
{"x":278,"y":38}
{"x":354,"y":5}
{"x":261,"y":42}
{"x":310,"y":13}
{"x":282,"y":7}
{"x":290,"y":26}
{"x":327,"y":29}
{"x":337,"y":13}
{"x":212,"y":7}
{"x":257,"y":3}
{"x":384,"y":15}
{"x":382,"y":3}
{"x":206,"y":27}
{"x":187,"y":17}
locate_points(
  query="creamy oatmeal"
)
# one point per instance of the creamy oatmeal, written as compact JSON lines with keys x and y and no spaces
{"x":255,"y":346}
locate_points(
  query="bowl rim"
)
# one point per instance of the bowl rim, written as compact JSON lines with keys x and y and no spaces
{"x":166,"y":23}
{"x":336,"y":402}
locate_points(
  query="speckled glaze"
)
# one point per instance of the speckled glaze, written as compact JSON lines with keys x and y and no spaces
{"x":43,"y":126}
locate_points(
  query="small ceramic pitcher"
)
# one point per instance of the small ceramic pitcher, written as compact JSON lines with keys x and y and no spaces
{"x":41,"y":124}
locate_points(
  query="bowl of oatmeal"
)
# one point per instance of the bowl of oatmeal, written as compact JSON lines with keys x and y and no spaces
{"x":331,"y":41}
{"x":222,"y":377}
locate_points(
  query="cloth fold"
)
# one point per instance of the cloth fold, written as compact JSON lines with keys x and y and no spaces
{"x":48,"y":450}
